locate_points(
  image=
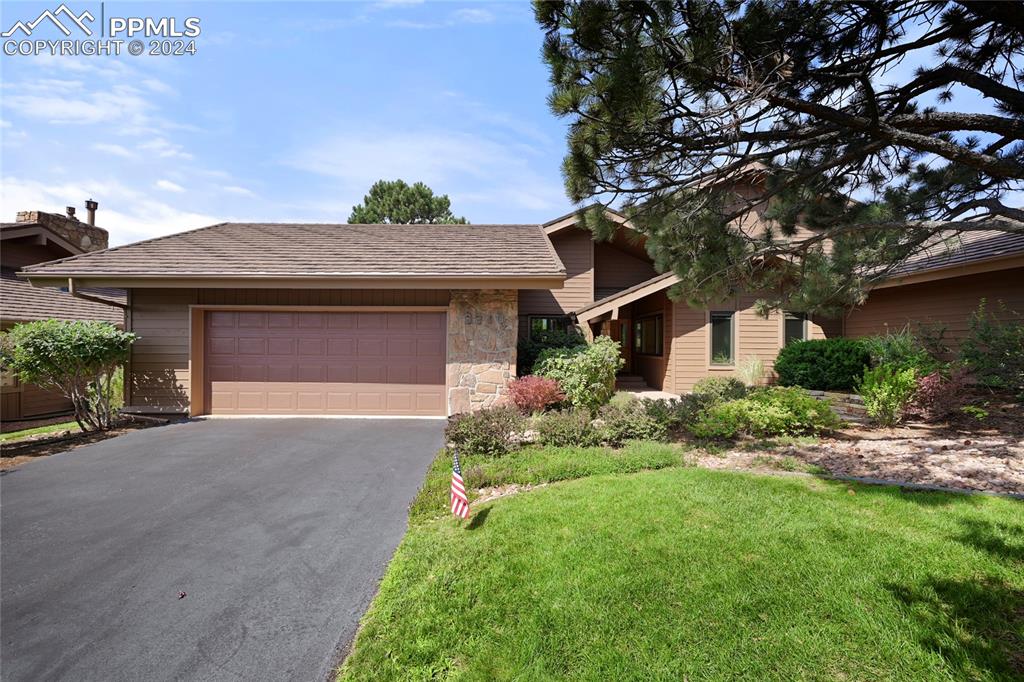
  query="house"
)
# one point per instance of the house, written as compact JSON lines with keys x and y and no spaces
{"x":37,"y":237}
{"x":423,"y":320}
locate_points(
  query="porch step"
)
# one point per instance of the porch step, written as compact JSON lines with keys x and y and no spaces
{"x":630,"y":382}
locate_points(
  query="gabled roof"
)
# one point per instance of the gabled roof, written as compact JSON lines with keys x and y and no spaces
{"x":626,"y":296}
{"x":520,"y":255}
{"x":570,"y":219}
{"x":22,"y":302}
{"x":967,"y":247}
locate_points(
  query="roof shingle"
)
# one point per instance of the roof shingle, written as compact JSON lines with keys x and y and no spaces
{"x":321,"y":250}
{"x":22,"y":302}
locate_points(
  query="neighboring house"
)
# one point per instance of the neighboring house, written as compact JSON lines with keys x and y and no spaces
{"x":38,"y":237}
{"x":419,"y":319}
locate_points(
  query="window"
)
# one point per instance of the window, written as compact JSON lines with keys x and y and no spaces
{"x":539,"y":325}
{"x":722,"y":336}
{"x":649,"y":335}
{"x":794,"y":328}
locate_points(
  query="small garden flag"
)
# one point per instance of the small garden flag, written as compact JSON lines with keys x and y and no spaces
{"x":460,"y":503}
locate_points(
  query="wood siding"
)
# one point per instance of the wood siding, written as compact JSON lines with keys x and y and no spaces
{"x":159,"y":366}
{"x":946,"y":303}
{"x":615,"y":270}
{"x":576,"y":249}
{"x":656,"y":370}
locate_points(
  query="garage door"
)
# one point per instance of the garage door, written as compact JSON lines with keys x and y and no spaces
{"x":325,"y":363}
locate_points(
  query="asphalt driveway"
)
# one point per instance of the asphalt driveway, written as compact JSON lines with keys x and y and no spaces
{"x":276,"y":530}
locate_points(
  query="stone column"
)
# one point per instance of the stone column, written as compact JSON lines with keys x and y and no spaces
{"x":483,"y":326}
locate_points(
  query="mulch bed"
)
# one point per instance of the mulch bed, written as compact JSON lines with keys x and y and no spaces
{"x":962,"y":453}
{"x":13,"y":455}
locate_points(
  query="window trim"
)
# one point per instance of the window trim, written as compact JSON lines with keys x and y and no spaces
{"x":564,"y":319}
{"x":711,"y":365}
{"x":782,"y":328}
{"x":659,"y":344}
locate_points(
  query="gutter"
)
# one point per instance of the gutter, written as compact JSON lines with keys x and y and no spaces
{"x":73,"y":290}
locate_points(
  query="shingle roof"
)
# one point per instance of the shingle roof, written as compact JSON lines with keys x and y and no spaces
{"x":22,"y":302}
{"x":963,"y":249}
{"x":319,"y":250}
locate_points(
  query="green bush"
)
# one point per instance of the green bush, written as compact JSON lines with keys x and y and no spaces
{"x":586,"y":374}
{"x":489,"y":433}
{"x":767,"y":412}
{"x":887,"y":392}
{"x":994,"y":349}
{"x":530,"y":348}
{"x":630,"y":421}
{"x":822,"y":364}
{"x":901,"y":349}
{"x":719,"y":389}
{"x":566,"y":428}
{"x":77,"y":358}
{"x":677,"y":413}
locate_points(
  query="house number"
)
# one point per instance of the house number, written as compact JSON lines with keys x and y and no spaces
{"x":489,"y":318}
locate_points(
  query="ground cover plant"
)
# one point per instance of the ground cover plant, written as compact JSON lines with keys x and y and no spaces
{"x":686,"y":573}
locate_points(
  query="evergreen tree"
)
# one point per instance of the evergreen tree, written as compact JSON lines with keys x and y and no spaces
{"x":393,"y":201}
{"x":697,"y":115}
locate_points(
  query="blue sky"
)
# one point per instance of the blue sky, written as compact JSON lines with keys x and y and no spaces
{"x":288,"y":112}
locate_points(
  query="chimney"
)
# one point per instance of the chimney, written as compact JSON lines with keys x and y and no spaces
{"x":91,"y":207}
{"x":71,"y":212}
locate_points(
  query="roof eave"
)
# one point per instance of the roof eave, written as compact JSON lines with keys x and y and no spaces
{"x":1000,"y":262}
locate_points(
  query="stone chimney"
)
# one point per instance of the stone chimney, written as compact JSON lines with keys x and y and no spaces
{"x":69,"y":228}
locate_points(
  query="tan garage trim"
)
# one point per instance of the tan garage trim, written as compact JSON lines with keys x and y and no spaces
{"x":198,"y":393}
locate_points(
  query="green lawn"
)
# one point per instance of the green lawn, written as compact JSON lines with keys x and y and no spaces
{"x":38,"y":430}
{"x":686,"y":573}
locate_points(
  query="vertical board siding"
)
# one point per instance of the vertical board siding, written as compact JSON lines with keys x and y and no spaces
{"x":945,"y":303}
{"x":576,"y":249}
{"x":160,"y":358}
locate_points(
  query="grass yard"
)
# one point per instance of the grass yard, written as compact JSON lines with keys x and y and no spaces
{"x":686,"y":573}
{"x":12,"y":436}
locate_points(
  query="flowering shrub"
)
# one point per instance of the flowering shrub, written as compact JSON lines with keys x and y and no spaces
{"x":938,"y":396}
{"x":533,"y":394}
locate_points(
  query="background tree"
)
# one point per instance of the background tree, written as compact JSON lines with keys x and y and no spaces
{"x":82,"y":360}
{"x":393,"y":201}
{"x":842,"y":114}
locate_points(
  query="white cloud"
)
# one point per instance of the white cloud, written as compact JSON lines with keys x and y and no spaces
{"x":164,"y":149}
{"x":68,"y":101}
{"x":168,"y":186}
{"x":241,"y":191}
{"x":4,"y":123}
{"x":114,"y":150}
{"x":158,"y":86}
{"x":472,"y":16}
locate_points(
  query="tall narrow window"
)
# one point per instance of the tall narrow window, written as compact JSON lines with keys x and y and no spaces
{"x":540,"y":325}
{"x":794,"y":327}
{"x":722,"y":338}
{"x":649,"y":335}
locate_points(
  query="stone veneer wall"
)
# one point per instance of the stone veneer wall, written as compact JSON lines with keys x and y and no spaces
{"x":87,"y":237}
{"x":482,"y":331}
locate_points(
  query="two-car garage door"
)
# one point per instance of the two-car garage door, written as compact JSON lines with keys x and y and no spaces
{"x":279,"y":362}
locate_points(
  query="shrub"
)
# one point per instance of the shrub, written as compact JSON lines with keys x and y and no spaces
{"x":622,"y":398}
{"x":567,"y":428}
{"x":900,"y":350}
{"x":586,"y":374}
{"x":718,"y":389}
{"x":630,"y":421}
{"x":768,"y":412}
{"x":492,"y":432}
{"x":534,"y":394}
{"x":676,"y":413}
{"x":822,"y":364}
{"x":938,"y":396}
{"x":77,"y":358}
{"x":978,"y":413}
{"x":994,"y":349}
{"x":886,"y":392}
{"x":529,"y":349}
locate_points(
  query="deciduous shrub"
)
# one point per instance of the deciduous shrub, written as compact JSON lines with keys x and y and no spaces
{"x":994,"y":349}
{"x":530,"y":348}
{"x":79,"y":359}
{"x":718,"y":389}
{"x":768,"y":412}
{"x":937,"y":395}
{"x":822,"y":364}
{"x":886,"y":392}
{"x":534,"y":394}
{"x":491,"y":432}
{"x":901,"y":349}
{"x":586,"y":374}
{"x":567,"y":428}
{"x":629,"y":421}
{"x":677,"y":413}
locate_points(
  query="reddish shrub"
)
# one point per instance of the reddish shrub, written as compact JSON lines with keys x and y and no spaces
{"x":938,"y":396}
{"x":532,"y":393}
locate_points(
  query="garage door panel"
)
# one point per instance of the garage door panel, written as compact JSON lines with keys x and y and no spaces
{"x":325,"y":363}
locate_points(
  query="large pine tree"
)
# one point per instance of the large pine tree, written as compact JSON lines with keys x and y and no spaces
{"x":395,"y":201}
{"x":879,"y":126}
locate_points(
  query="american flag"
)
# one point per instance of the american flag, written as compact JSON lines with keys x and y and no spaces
{"x":460,"y":503}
